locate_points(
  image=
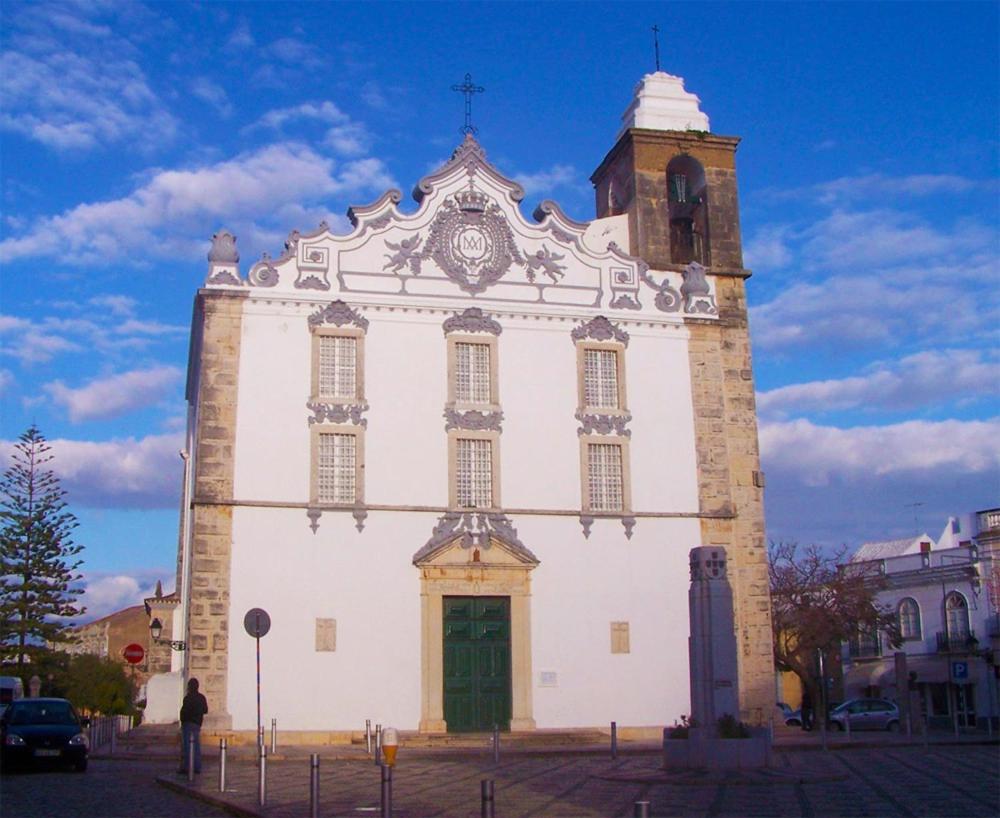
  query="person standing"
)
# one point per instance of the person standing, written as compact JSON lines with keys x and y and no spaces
{"x":193,"y":711}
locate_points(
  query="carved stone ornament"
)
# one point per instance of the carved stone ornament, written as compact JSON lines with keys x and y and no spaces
{"x":667,"y":298}
{"x":603,"y":424}
{"x":338,"y":314}
{"x":600,"y":329}
{"x":473,"y":420}
{"x":586,"y":521}
{"x":629,"y":524}
{"x":314,"y":514}
{"x":471,"y":241}
{"x":360,"y":514}
{"x":263,"y":273}
{"x":475,"y":528}
{"x":338,"y":413}
{"x":223,"y":249}
{"x":546,"y":261}
{"x":224,"y":277}
{"x":311,"y":281}
{"x":471,"y":320}
{"x":697,"y":294}
{"x":405,"y":256}
{"x":625,"y":302}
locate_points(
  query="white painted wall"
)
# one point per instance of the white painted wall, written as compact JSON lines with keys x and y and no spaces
{"x":366,"y":581}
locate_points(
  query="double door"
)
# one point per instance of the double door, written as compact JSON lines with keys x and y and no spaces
{"x":477,"y":672}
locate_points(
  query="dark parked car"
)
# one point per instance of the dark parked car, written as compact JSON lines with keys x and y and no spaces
{"x":866,"y":714}
{"x":43,"y":731}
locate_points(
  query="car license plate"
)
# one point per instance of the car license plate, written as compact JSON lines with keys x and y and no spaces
{"x":47,"y":753}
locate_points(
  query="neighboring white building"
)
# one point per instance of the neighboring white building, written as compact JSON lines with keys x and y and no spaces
{"x":946,"y":595}
{"x":460,"y":456}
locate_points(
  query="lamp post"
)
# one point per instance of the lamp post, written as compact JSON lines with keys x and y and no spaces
{"x":156,"y":628}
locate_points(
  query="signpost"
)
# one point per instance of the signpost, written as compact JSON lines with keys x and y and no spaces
{"x":257,"y":623}
{"x":960,"y":671}
{"x":133,"y":653}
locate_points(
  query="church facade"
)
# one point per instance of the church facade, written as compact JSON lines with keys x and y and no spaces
{"x":460,"y":455}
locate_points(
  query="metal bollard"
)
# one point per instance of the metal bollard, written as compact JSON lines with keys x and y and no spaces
{"x":368,"y":736}
{"x":260,"y":739}
{"x":190,"y":757}
{"x":114,"y":736}
{"x":314,"y":785}
{"x":274,"y":736}
{"x":223,"y":747}
{"x":909,"y":725}
{"x":496,"y":743}
{"x":641,"y":809}
{"x":614,"y":740}
{"x":262,"y":777}
{"x":847,"y":726}
{"x":378,"y":745}
{"x":386,"y":792}
{"x":666,"y":737}
{"x":926,"y":747}
{"x":486,"y":809}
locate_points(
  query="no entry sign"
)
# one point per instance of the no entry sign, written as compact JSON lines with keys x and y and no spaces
{"x":133,"y":653}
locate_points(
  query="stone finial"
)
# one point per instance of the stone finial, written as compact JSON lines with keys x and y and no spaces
{"x":224,"y":249}
{"x":159,"y":589}
{"x":660,"y":103}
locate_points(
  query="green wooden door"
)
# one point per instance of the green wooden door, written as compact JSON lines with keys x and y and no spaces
{"x":476,"y":662}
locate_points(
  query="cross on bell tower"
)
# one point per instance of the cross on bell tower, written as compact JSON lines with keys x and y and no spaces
{"x":468,"y":89}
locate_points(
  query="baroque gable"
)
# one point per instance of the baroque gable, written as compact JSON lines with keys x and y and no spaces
{"x":469,"y":239}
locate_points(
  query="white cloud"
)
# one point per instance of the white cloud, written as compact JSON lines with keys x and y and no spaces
{"x":116,"y":395}
{"x":120,"y":305}
{"x":106,"y":593}
{"x":7,"y":380}
{"x":214,"y":94}
{"x":877,"y":185}
{"x":923,"y":379}
{"x":123,"y":473}
{"x":80,"y":91}
{"x":165,"y":215}
{"x":325,"y":111}
{"x":769,"y":248}
{"x":866,"y":452}
{"x":545,"y":181}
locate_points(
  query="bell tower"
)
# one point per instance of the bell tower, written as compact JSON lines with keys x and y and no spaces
{"x":676,"y":183}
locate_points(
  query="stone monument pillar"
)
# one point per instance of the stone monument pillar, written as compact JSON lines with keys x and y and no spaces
{"x":712,"y":644}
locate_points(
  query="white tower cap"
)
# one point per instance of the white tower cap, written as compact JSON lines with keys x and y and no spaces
{"x":660,"y":103}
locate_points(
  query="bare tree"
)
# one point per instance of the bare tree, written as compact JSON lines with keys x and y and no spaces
{"x":38,"y":565}
{"x":818,"y":602}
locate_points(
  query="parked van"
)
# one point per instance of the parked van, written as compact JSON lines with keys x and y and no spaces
{"x":11,"y":690}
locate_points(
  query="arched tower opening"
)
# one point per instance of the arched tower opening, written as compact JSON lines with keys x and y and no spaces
{"x":687,"y":207}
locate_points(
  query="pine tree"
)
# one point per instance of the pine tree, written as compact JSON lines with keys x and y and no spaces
{"x":38,"y":565}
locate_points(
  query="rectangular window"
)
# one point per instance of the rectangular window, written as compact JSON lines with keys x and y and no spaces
{"x":600,"y":379}
{"x":473,"y":473}
{"x":336,"y":472}
{"x":472,"y":373}
{"x":605,"y":486}
{"x":620,"y":637}
{"x":338,"y":367}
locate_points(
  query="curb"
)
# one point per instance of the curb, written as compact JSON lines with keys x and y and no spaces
{"x":208,"y":798}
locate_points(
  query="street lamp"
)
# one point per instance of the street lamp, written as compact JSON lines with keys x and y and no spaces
{"x":156,"y":628}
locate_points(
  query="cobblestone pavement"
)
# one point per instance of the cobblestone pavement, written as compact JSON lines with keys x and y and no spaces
{"x":109,"y":789}
{"x":882,"y":782}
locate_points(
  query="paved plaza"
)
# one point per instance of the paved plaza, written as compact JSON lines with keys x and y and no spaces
{"x":879,"y":780}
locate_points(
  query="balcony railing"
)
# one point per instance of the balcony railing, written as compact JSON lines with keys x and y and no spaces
{"x":989,"y":519}
{"x":868,"y":647}
{"x":957,"y":643}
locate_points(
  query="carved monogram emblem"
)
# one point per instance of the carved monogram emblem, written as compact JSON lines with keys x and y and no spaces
{"x":471,"y":241}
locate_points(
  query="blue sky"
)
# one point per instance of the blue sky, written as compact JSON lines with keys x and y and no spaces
{"x":868,"y":181}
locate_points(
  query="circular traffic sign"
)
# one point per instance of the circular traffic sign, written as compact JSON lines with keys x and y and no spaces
{"x":133,"y":653}
{"x":257,"y":623}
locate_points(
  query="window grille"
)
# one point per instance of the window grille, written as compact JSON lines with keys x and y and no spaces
{"x":337,"y":476}
{"x":600,"y":378}
{"x":338,"y":367}
{"x":604,"y":476}
{"x":472,"y":373}
{"x":474,"y":473}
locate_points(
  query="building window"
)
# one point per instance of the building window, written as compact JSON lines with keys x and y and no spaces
{"x":620,"y":637}
{"x":909,"y":619}
{"x":605,"y":477}
{"x":337,"y":366}
{"x":473,"y":471}
{"x":956,"y":617}
{"x":602,"y":378}
{"x":472,"y":373}
{"x":866,"y":645}
{"x":337,"y":464}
